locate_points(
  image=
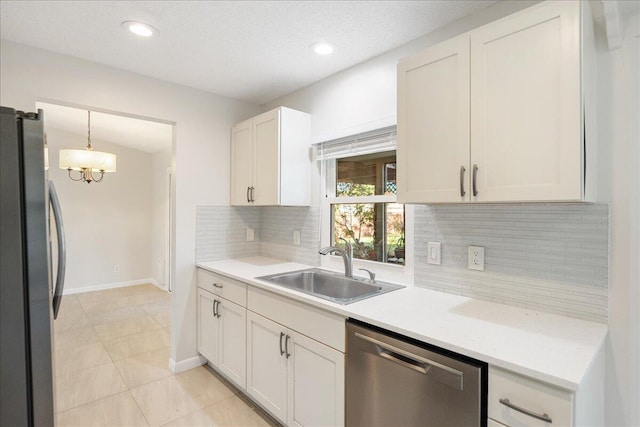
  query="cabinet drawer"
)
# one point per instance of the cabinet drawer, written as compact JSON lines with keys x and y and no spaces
{"x":223,"y":286}
{"x":328,"y":328}
{"x":530,"y":395}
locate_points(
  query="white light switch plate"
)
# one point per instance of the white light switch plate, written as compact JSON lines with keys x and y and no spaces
{"x":476,"y":258}
{"x":296,"y":237}
{"x":250,"y":235}
{"x":434,"y":253}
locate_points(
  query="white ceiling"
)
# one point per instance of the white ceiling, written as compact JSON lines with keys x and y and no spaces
{"x":143,"y":135}
{"x":249,"y":50}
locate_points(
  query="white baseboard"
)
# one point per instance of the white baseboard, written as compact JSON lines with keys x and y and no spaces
{"x":157,"y":284}
{"x":185,"y":365}
{"x":114,"y":285}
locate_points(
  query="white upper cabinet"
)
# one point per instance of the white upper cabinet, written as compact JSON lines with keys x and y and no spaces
{"x":270,"y":163}
{"x":497,"y":114}
{"x":433,"y":123}
{"x":241,"y":163}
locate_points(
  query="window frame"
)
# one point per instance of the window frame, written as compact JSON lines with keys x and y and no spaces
{"x":387,"y":271}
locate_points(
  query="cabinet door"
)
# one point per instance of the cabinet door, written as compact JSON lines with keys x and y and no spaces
{"x":433,"y":124}
{"x":241,"y":163}
{"x":315,"y":383}
{"x":233,"y":341}
{"x":266,"y":367}
{"x":207,"y":327}
{"x":266,"y":134}
{"x":526,"y":105}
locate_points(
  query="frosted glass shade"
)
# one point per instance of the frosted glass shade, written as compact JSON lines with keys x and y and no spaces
{"x":85,"y":159}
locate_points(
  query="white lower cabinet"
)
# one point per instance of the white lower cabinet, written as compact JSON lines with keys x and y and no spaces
{"x":267,"y":364}
{"x":208,"y":336}
{"x":299,"y":380}
{"x":518,"y":401}
{"x":222,"y":335}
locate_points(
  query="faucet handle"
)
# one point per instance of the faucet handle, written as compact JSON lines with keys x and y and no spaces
{"x":372,"y":275}
{"x":347,"y":246}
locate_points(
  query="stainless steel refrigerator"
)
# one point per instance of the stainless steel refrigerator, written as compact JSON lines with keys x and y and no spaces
{"x":29,"y":295}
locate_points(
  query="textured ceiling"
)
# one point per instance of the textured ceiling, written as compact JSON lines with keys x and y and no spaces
{"x":249,"y":50}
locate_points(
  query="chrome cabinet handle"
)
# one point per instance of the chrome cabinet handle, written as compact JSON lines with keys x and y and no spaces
{"x":215,"y":285}
{"x":248,"y":199}
{"x":462,"y":171}
{"x":215,"y":308}
{"x":218,"y":315}
{"x":252,"y":190}
{"x":543,"y":417}
{"x":475,"y":178}
{"x":286,"y":346}
{"x":281,"y":350}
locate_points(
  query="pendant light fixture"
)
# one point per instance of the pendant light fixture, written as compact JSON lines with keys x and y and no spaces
{"x":87,"y":162}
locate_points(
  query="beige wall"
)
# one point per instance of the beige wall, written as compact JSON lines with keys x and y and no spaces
{"x":107,"y":224}
{"x":201,"y":145}
{"x":160,"y":162}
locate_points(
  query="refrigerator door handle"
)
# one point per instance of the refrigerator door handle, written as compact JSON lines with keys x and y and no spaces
{"x":62,"y":249}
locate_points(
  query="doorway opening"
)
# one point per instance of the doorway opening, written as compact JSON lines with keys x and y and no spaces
{"x":119,"y":230}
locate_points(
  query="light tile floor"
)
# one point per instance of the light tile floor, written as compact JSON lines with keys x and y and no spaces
{"x":112,"y":357}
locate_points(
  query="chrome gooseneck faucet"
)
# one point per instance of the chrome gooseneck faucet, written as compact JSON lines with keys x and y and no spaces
{"x":346,"y":254}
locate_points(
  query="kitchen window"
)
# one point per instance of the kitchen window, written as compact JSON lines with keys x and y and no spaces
{"x":360,"y":198}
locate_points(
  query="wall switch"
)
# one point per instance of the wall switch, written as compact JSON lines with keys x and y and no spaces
{"x":250,"y":235}
{"x":296,"y":237}
{"x":434,"y":253}
{"x":476,"y":258}
{"x":116,"y":268}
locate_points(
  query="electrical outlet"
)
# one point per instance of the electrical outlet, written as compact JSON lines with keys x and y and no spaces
{"x":296,"y":237}
{"x":250,"y":235}
{"x":476,"y":258}
{"x":434,"y":253}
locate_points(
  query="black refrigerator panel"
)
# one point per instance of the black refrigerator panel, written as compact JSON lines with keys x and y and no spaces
{"x":26,"y":362}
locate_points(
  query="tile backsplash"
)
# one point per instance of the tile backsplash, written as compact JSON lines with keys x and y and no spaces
{"x":276,"y":233}
{"x":221,"y":233}
{"x":552,"y":258}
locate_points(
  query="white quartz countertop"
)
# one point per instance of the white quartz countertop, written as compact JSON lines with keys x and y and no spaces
{"x":551,"y":348}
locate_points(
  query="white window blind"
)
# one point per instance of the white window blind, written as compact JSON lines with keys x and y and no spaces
{"x":375,"y":141}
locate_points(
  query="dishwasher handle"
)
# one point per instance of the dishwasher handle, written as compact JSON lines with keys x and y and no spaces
{"x":439,"y":372}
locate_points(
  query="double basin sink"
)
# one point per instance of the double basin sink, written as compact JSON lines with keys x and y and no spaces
{"x":334,"y":287}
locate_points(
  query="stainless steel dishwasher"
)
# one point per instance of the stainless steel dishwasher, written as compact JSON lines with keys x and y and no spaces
{"x":395,"y":381}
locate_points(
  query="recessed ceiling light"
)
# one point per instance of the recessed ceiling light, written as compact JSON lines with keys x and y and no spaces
{"x":139,"y":28}
{"x":322,"y":48}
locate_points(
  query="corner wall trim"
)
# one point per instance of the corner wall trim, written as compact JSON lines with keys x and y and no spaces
{"x":186,"y":364}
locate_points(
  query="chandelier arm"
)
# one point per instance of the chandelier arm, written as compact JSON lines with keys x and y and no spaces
{"x":80,"y":178}
{"x":98,"y":179}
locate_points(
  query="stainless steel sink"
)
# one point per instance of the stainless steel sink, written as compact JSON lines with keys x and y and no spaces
{"x":330,"y":286}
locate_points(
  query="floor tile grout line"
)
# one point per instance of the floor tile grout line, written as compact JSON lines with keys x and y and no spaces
{"x":94,"y":400}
